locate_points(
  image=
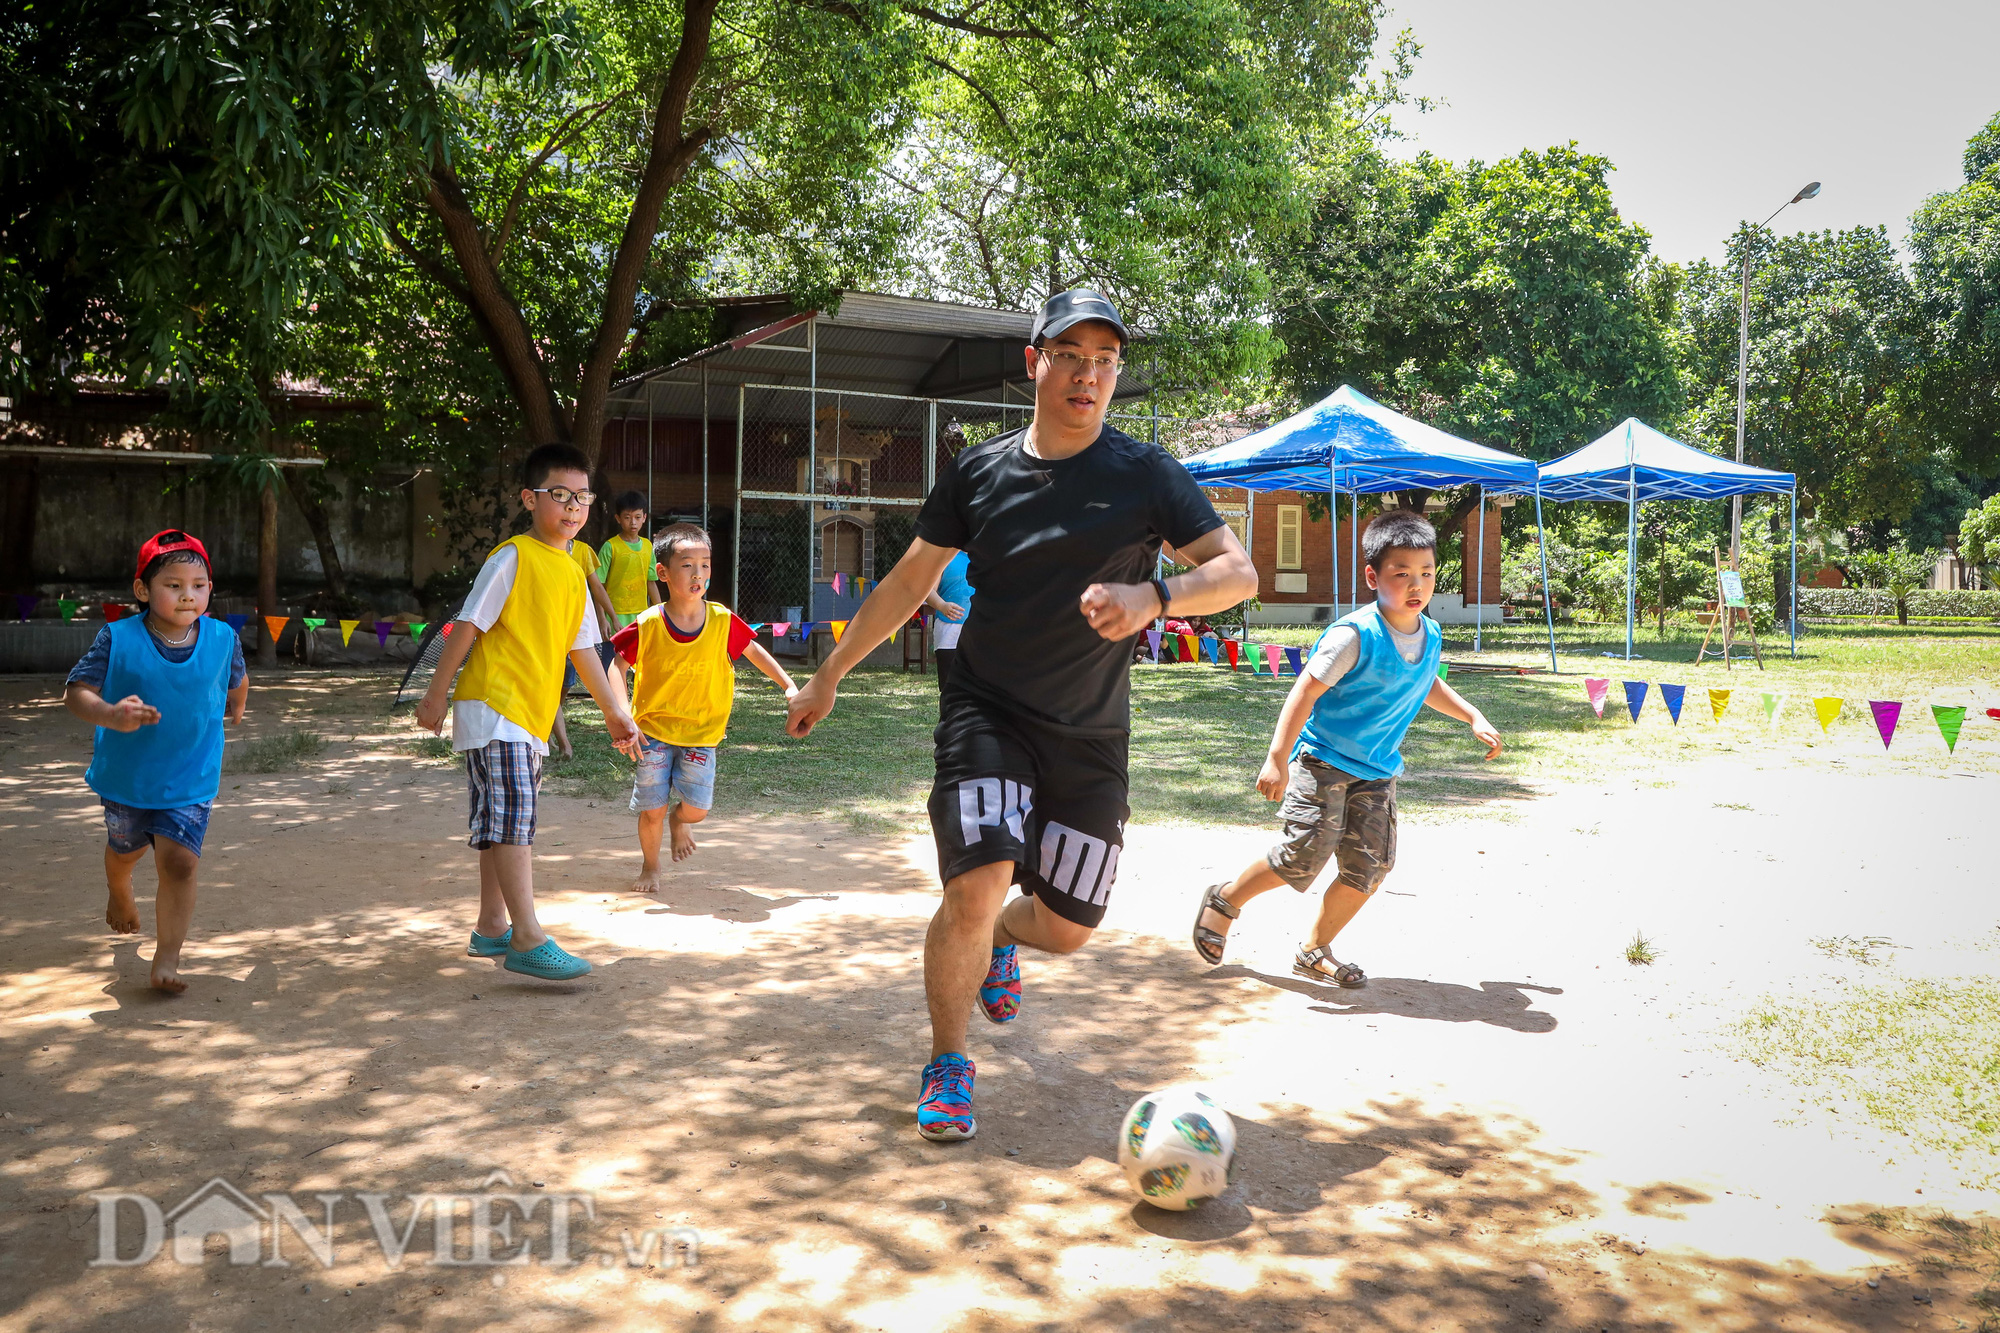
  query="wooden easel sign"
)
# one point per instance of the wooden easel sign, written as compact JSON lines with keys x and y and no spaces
{"x":1731,"y":608}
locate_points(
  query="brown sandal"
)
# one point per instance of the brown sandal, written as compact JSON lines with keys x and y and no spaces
{"x":1345,"y":975}
{"x":1209,"y":943}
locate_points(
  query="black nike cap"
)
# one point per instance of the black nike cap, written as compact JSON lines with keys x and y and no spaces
{"x":1064,"y":310}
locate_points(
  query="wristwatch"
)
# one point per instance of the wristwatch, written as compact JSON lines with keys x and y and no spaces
{"x":1160,"y":587}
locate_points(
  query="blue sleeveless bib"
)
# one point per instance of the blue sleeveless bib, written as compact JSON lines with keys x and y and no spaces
{"x":178,"y":760}
{"x":1358,"y":725}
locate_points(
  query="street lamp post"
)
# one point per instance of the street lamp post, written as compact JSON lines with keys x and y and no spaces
{"x":1743,"y":374}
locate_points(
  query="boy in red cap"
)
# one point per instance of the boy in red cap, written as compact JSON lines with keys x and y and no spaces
{"x":157,"y":762}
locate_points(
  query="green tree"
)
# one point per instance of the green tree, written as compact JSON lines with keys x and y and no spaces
{"x":1979,"y":538}
{"x":1955,"y":269}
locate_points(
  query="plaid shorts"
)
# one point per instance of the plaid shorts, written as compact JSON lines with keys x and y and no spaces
{"x":1326,"y":811}
{"x":503,"y":779}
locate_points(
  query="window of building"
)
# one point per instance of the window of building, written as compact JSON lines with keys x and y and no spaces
{"x":1291,"y":537}
{"x":841,"y":550}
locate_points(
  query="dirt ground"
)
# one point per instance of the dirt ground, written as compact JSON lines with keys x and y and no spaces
{"x":1510,"y":1128}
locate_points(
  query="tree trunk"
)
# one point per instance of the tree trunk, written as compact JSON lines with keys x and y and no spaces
{"x":322,"y":531}
{"x":267,"y":571}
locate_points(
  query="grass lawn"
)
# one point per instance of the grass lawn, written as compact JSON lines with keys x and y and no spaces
{"x":1199,"y":733}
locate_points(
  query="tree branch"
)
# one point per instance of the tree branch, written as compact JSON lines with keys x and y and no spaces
{"x":976,"y":29}
{"x":431,"y":268}
{"x":565,"y":132}
{"x":967,"y":80}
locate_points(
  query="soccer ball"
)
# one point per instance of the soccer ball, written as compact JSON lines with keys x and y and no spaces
{"x":1176,"y":1146}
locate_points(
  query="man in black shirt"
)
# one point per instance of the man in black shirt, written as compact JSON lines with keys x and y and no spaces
{"x":1063,"y":523}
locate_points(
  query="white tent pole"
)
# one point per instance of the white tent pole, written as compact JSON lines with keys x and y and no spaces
{"x":1479,"y":606}
{"x":1354,"y":543}
{"x":1333,"y":525}
{"x":1631,"y":551}
{"x":1548,"y":608}
{"x":1792,"y":595}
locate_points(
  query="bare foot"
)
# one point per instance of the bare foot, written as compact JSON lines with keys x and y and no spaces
{"x":121,"y":913}
{"x":683,"y":842}
{"x":165,"y":975}
{"x":648,"y":881}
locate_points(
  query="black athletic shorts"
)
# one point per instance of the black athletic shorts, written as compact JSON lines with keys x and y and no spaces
{"x":1014,"y":790}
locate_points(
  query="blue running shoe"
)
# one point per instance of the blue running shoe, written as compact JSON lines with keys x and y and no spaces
{"x":1000,"y":993}
{"x":944,"y":1104}
{"x":490,"y":946}
{"x":547,"y":960}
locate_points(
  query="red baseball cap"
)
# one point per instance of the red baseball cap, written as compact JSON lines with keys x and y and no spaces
{"x":164,"y":543}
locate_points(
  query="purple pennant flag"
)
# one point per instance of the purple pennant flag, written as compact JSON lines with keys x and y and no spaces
{"x":1672,"y":695}
{"x":24,"y":602}
{"x":1635,"y":697}
{"x":1886,"y":713}
{"x":1295,"y":661}
{"x":382,"y":630}
{"x":1153,"y":643}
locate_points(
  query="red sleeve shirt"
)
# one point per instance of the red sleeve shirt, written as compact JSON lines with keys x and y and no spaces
{"x":626,"y":641}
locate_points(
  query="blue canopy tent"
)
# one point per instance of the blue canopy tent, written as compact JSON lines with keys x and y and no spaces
{"x":1349,"y":442}
{"x":1634,"y":463}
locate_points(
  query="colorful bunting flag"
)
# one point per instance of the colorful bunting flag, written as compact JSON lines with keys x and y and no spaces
{"x":1271,"y":657}
{"x":1635,"y":697}
{"x":780,"y":628}
{"x":1444,"y":670}
{"x":24,"y":602}
{"x":314,"y":622}
{"x":113,"y":611}
{"x":66,"y":607}
{"x":382,"y":629}
{"x":237,"y":621}
{"x":1993,"y":713}
{"x":417,"y":628}
{"x":1949,"y":720}
{"x":1718,"y":703}
{"x":446,"y":631}
{"x":275,"y":624}
{"x":1826,"y":709}
{"x":1672,"y":695}
{"x":1596,"y":689}
{"x":1292,"y":656}
{"x":839,"y":628}
{"x":1188,"y":650}
{"x":1229,"y":646}
{"x":839,"y":584}
{"x":347,"y":628}
{"x":1773,"y":703}
{"x":1886,"y":712}
{"x":1153,"y":643}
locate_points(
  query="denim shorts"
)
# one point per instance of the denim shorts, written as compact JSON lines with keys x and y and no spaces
{"x":666,"y":771}
{"x":129,"y":828}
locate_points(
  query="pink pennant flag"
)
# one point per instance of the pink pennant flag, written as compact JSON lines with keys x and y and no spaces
{"x":780,"y":628}
{"x":1886,"y":713}
{"x":1271,"y":655}
{"x":1598,"y":690}
{"x":839,"y":584}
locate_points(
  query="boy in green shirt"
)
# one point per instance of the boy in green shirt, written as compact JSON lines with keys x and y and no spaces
{"x":625,"y":568}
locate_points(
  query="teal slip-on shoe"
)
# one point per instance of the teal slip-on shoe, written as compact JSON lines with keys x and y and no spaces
{"x":489,"y":946}
{"x":547,"y":960}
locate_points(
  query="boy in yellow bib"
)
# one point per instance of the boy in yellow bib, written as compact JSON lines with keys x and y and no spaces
{"x":526,"y":615}
{"x":625,"y":568}
{"x":684,"y":650}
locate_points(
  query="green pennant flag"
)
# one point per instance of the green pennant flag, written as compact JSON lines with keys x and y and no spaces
{"x":1444,"y":669}
{"x":1949,"y":720}
{"x":67,"y":607}
{"x":417,"y":628}
{"x":1771,"y":702}
{"x":314,"y":622}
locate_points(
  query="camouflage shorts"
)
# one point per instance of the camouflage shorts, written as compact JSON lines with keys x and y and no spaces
{"x":1326,"y":809}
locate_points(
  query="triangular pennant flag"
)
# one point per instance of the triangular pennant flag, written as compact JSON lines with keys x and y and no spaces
{"x":1229,"y":646}
{"x":446,"y":630}
{"x":839,"y":584}
{"x":756,"y":627}
{"x":1635,"y":697}
{"x":314,"y":622}
{"x":1993,"y":713}
{"x":1271,"y":657}
{"x":417,"y":628}
{"x":66,"y":607}
{"x":839,"y":628}
{"x":1597,"y":689}
{"x":24,"y":602}
{"x":347,"y":628}
{"x":1886,"y":712}
{"x":1826,"y":709}
{"x":1292,"y":656}
{"x":780,"y":628}
{"x":1949,"y":720}
{"x":237,"y":621}
{"x":113,"y":611}
{"x":382,"y":628}
{"x":1153,"y":643}
{"x":1444,"y":670}
{"x":1718,"y":703}
{"x":1772,"y":703}
{"x":1188,"y":649}
{"x":1672,"y":696}
{"x":275,"y":624}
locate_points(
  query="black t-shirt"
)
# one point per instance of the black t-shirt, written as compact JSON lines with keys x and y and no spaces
{"x":1039,"y":531}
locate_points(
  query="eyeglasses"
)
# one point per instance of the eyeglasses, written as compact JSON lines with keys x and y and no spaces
{"x":1076,"y":363}
{"x":564,"y":496}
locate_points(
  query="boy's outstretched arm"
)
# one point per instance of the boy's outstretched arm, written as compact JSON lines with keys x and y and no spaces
{"x":1453,"y":704}
{"x":431,"y":708}
{"x":757,"y":656}
{"x":128,"y":714}
{"x":1273,"y":778}
{"x":617,"y":715}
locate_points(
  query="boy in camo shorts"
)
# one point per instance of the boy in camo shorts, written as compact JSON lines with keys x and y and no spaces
{"x":1336,"y":750}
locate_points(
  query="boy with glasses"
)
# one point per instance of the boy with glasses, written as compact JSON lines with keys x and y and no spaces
{"x":527,"y":612}
{"x":1063,"y":522}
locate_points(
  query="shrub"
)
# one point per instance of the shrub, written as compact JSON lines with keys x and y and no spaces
{"x":1877,"y":603}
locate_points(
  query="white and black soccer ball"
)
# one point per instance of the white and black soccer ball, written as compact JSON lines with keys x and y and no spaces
{"x":1176,"y":1146}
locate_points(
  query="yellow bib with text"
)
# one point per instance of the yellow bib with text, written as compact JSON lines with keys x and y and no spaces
{"x":682,"y":692}
{"x":516,"y":668}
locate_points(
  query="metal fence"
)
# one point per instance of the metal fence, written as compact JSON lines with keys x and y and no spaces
{"x":829,"y":483}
